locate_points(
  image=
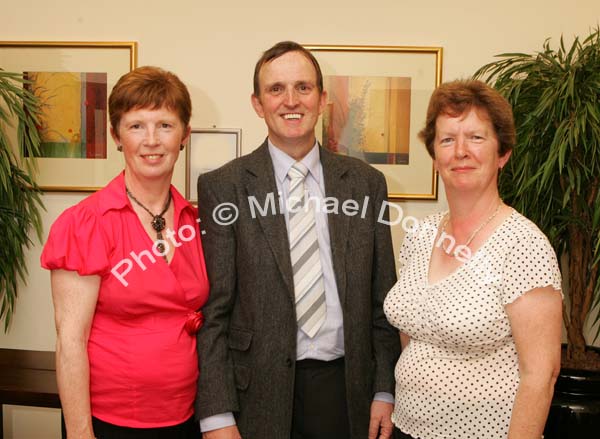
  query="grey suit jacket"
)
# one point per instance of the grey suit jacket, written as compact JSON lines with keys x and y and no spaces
{"x":247,"y":346}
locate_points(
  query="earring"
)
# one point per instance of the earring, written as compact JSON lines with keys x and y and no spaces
{"x":181,"y":147}
{"x":120,"y":148}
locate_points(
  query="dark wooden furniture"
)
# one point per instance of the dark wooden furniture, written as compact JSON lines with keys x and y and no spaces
{"x":27,"y":378}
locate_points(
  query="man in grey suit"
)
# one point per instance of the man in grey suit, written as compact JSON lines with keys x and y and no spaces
{"x":295,"y":344}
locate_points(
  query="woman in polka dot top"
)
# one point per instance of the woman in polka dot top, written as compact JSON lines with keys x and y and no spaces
{"x":478,"y":302}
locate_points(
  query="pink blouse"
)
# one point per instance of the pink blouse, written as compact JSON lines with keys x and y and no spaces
{"x":143,"y":363}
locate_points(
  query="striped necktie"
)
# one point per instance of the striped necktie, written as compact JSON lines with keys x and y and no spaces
{"x":304,"y":251}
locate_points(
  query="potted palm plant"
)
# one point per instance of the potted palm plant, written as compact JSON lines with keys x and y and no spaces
{"x":20,"y":202}
{"x":553,"y":177}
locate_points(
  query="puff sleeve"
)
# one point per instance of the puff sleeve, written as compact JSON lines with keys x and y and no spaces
{"x":530,"y":264}
{"x":76,"y":243}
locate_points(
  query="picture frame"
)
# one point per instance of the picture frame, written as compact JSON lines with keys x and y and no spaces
{"x":208,"y":149}
{"x":400,"y":80}
{"x":109,"y":60}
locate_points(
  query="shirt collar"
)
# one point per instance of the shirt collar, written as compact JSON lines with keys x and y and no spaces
{"x":283,"y":162}
{"x":113,"y":196}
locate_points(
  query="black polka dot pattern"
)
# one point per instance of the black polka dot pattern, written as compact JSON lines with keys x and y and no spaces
{"x":458,"y":376}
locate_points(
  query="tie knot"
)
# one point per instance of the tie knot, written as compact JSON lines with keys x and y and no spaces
{"x":298,"y":170}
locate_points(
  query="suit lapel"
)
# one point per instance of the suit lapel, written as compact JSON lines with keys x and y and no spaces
{"x":260,"y":183}
{"x":334,"y":171}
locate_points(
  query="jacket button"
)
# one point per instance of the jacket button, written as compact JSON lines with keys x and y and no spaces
{"x":288,"y":362}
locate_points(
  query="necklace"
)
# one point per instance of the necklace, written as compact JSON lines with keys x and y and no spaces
{"x":448,"y":251}
{"x":158,"y":221}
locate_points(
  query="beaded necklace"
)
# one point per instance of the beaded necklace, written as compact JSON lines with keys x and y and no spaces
{"x":158,"y":221}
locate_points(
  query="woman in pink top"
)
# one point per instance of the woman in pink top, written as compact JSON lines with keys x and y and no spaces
{"x":128,"y":278}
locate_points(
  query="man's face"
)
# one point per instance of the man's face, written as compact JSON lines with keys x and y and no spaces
{"x":290,"y":102}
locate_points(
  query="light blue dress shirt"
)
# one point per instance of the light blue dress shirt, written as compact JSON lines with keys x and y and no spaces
{"x":328,"y":343}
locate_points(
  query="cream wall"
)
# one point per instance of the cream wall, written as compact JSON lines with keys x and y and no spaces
{"x":213,"y":49}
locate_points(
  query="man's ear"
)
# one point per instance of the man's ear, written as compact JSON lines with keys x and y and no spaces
{"x":323,"y":101}
{"x":257,"y":105}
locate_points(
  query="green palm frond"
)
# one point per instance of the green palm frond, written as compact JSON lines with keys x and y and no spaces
{"x":553,"y":176}
{"x":20,"y":202}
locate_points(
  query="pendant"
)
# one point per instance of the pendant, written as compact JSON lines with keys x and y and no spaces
{"x":158,"y":223}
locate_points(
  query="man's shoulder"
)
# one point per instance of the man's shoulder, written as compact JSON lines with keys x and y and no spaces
{"x":353,"y":164}
{"x":233,"y":170}
{"x":227,"y":171}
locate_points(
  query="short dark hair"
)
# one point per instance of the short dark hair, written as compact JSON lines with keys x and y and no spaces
{"x":279,"y":49}
{"x":457,"y":97}
{"x":149,"y":87}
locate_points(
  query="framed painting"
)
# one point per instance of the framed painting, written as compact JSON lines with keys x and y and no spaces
{"x":377,"y":99}
{"x":208,"y":149}
{"x":72,"y":80}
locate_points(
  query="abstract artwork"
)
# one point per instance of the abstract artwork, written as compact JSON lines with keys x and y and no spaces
{"x":72,"y":80}
{"x":377,"y":99}
{"x":368,"y":118}
{"x":73,"y":119}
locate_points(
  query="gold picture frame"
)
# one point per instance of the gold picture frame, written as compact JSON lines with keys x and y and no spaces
{"x":110,"y":58}
{"x":421,"y":69}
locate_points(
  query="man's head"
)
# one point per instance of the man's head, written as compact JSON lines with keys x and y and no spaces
{"x":288,"y":94}
{"x":282,"y":48}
